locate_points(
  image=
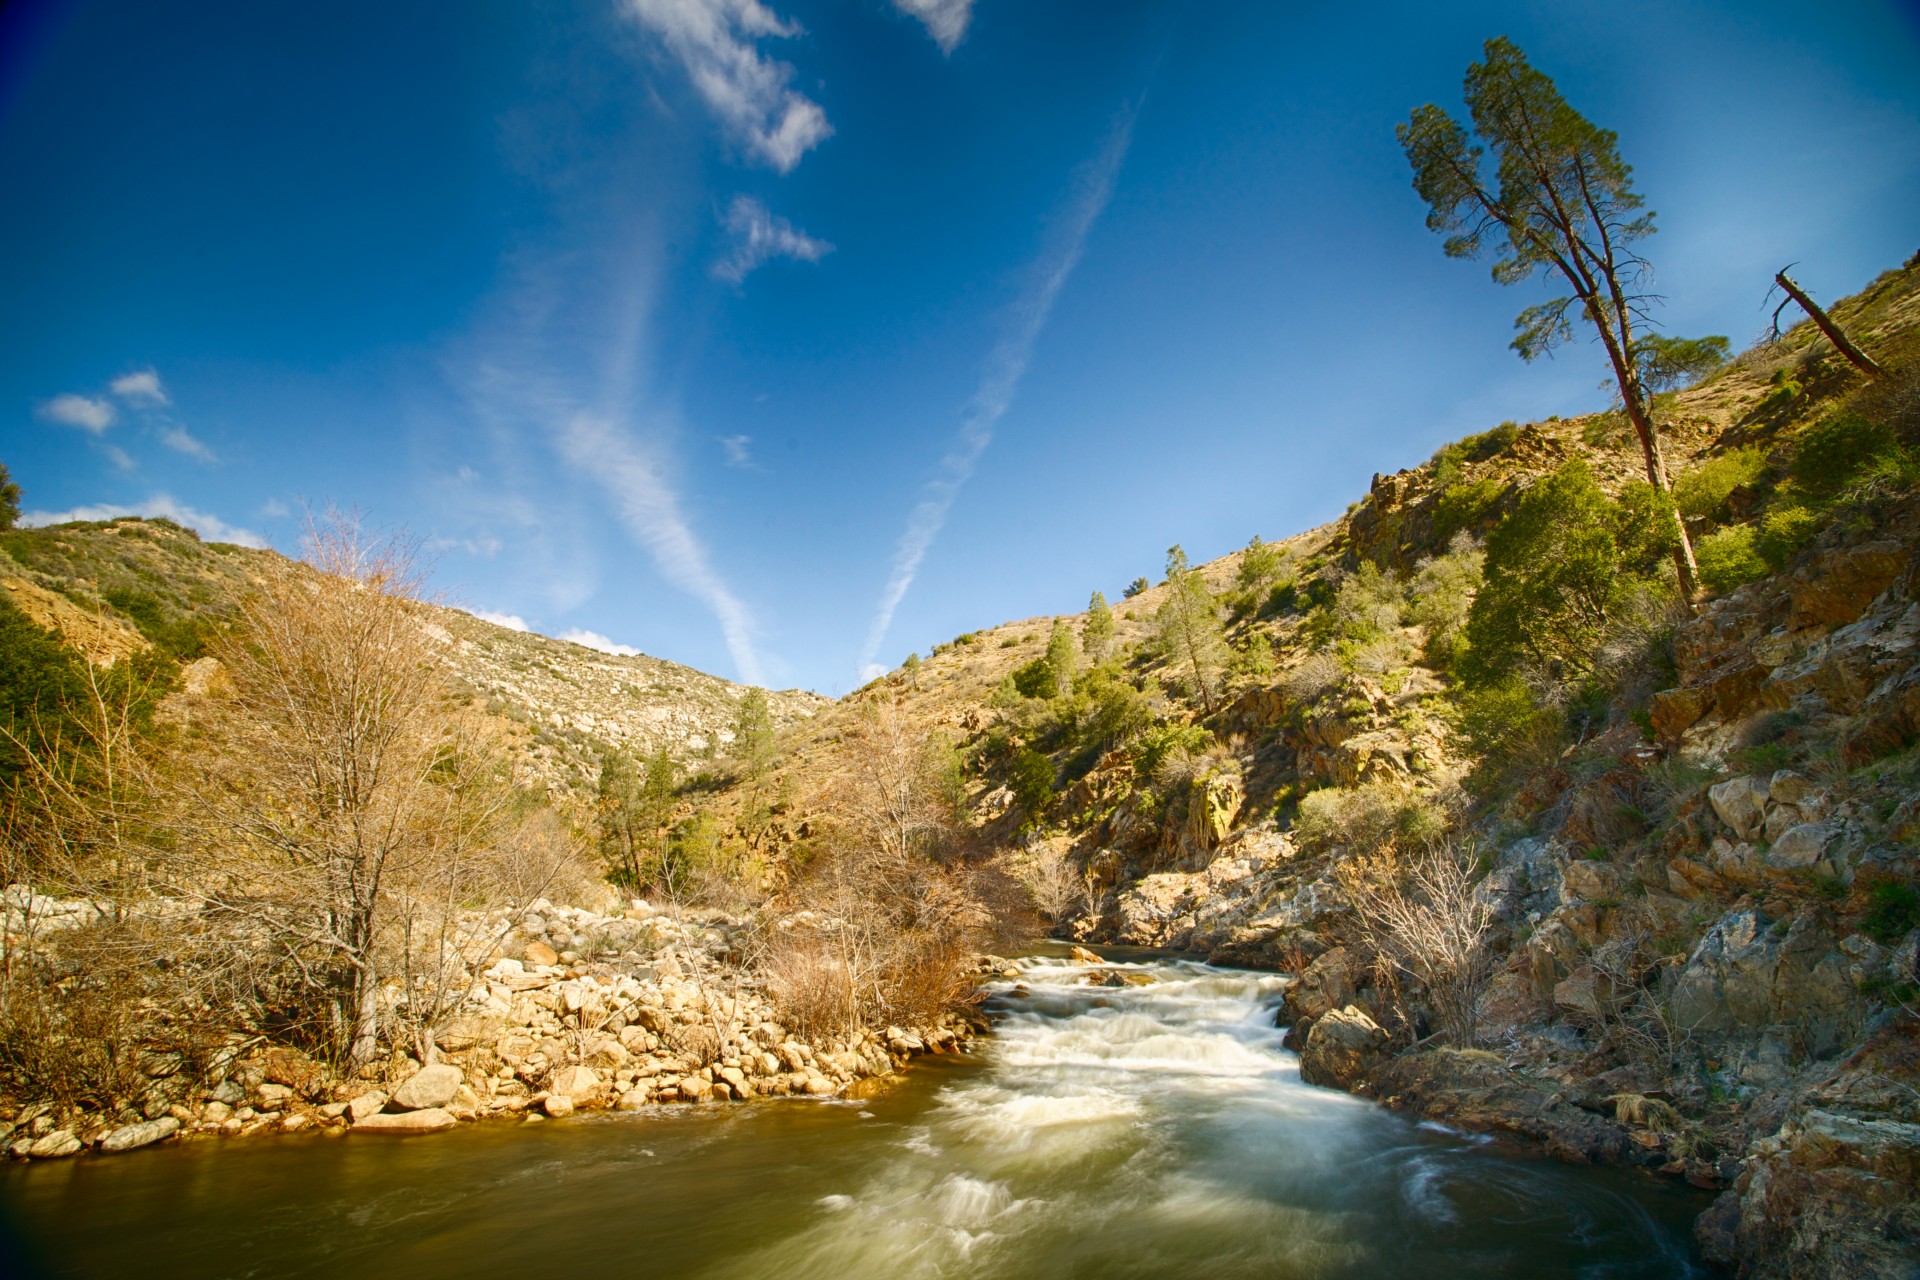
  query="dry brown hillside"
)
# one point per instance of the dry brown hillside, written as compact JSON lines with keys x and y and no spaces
{"x":120,"y":586}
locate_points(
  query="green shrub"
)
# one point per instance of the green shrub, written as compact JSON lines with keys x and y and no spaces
{"x":1703,"y":492}
{"x":1494,"y":440}
{"x":1560,"y":570}
{"x":1893,"y":909}
{"x":1835,"y":450}
{"x":1030,"y":777}
{"x":1465,"y":506}
{"x":1164,"y":740}
{"x":1783,"y":532}
{"x":1785,"y":391}
{"x":1506,"y":729}
{"x":1729,"y":557}
{"x":1366,"y":817}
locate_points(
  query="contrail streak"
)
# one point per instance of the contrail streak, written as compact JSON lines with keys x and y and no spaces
{"x":1000,"y":378}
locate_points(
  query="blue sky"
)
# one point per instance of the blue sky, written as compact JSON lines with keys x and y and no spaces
{"x":785,"y":338}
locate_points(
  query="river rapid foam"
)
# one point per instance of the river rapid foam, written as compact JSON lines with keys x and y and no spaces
{"x":1161,"y":1129}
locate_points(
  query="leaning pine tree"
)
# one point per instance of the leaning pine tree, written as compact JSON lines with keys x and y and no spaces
{"x":1561,"y":202}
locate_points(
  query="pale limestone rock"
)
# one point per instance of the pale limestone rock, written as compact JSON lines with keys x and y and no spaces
{"x":426,"y":1120}
{"x":359,"y":1109}
{"x":430,"y":1086}
{"x":55,"y":1145}
{"x":582,"y":1084}
{"x":127,"y":1137}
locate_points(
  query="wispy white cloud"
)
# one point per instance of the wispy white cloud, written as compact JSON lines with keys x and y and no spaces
{"x":120,"y":458}
{"x":180,"y":440}
{"x":1000,"y":378}
{"x":716,"y":42}
{"x":141,"y":386}
{"x":210,"y":527}
{"x":274,"y":509}
{"x":485,"y":546}
{"x":650,"y":509}
{"x":739,"y":450}
{"x":594,"y":640}
{"x":756,"y":237}
{"x":511,"y":621}
{"x":945,"y":20}
{"x":79,"y":411}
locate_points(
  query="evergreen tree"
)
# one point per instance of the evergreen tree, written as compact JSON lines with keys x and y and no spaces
{"x":1189,"y":633}
{"x":1061,"y":658}
{"x":1135,"y":587}
{"x":1259,"y":564}
{"x":1561,"y":203}
{"x":753,"y":733}
{"x":1559,"y":571}
{"x":9,"y":499}
{"x":1096,"y":633}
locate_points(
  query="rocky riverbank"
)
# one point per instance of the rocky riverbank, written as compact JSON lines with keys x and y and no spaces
{"x":575,"y":1010}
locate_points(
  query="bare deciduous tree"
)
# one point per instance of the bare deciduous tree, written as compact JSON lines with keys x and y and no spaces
{"x":1423,"y":911}
{"x":335,"y":770}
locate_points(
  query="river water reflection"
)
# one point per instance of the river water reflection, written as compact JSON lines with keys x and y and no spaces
{"x":1145,"y":1131}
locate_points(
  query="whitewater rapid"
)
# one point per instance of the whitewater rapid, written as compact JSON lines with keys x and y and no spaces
{"x":1162,"y":1129}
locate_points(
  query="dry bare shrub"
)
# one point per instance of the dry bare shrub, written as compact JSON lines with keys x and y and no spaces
{"x":1051,"y":881}
{"x":1422,"y":911}
{"x":1315,"y":674}
{"x":884,"y":930}
{"x":448,"y":916}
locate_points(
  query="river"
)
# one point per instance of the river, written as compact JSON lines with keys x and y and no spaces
{"x":1106,"y":1133}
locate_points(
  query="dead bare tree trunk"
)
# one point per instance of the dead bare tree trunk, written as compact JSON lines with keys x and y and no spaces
{"x":1835,"y":334}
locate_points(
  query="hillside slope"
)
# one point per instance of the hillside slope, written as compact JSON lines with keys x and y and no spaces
{"x":123,"y":586}
{"x":1697,"y":860}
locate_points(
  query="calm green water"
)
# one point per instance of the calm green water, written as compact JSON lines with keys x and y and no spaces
{"x":1157,"y":1131}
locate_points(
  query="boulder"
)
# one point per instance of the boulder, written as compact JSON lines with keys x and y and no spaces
{"x":1586,"y":991}
{"x":1799,"y":847}
{"x":1831,"y":1193}
{"x":1342,"y":1048}
{"x":540,"y":953}
{"x":1674,"y":711}
{"x":54,"y":1145}
{"x":581,"y":1084}
{"x":557,"y":1105}
{"x":1749,"y":972}
{"x":1741,"y":804}
{"x":1080,"y":955}
{"x":360,"y":1108}
{"x":129,"y":1136}
{"x":1788,"y":787}
{"x":1329,"y":982}
{"x":426,"y":1120}
{"x":430,"y":1086}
